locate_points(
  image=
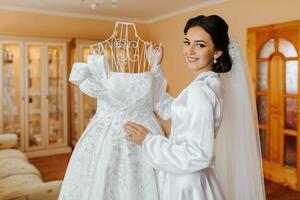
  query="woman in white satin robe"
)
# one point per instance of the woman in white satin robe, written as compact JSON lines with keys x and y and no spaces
{"x":186,"y":158}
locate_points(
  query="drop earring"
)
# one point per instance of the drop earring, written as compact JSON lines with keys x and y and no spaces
{"x":215,"y":60}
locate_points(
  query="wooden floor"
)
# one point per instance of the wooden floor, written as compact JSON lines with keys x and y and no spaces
{"x":277,"y":192}
{"x":53,"y":168}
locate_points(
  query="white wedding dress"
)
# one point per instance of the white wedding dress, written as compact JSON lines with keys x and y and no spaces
{"x":104,"y":164}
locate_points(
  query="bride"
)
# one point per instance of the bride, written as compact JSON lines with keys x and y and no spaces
{"x":213,"y":151}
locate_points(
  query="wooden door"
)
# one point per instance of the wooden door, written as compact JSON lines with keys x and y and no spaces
{"x":273,"y":55}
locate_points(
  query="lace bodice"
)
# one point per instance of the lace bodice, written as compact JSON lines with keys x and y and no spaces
{"x":121,"y":92}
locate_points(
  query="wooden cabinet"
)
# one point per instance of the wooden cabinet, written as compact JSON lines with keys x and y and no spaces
{"x":33,"y":98}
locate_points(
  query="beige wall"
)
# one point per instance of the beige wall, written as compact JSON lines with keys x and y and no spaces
{"x":239,"y":14}
{"x":42,"y":25}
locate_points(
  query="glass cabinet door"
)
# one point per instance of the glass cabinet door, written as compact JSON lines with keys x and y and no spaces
{"x":77,"y":99}
{"x":83,"y":106}
{"x":89,"y":106}
{"x":89,"y":103}
{"x":11,"y":89}
{"x":76,"y":107}
{"x":34,"y":96}
{"x":56,"y":94}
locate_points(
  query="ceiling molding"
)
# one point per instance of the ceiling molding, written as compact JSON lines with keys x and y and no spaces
{"x":70,"y":14}
{"x":114,"y":18}
{"x":184,"y":10}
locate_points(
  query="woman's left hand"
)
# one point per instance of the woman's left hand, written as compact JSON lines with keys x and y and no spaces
{"x":135,"y":132}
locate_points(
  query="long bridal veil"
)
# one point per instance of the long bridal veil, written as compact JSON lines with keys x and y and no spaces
{"x":238,"y":155}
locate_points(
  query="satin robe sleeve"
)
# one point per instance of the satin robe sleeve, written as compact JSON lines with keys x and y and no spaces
{"x":161,"y":99}
{"x":197,"y":150}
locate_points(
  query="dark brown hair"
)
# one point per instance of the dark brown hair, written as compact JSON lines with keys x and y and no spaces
{"x":217,"y":28}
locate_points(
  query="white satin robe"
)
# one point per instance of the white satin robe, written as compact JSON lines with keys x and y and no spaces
{"x":186,"y":159}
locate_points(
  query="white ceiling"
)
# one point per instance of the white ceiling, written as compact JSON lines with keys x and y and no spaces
{"x":145,"y":11}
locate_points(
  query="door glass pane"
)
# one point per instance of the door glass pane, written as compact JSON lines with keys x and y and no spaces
{"x":290,"y":151}
{"x":267,"y":49}
{"x":56,"y":94}
{"x":261,"y":109}
{"x":34,"y":95}
{"x":11,"y":89}
{"x":291,"y":113}
{"x":287,"y":48}
{"x":262,"y":83}
{"x":263,"y":142}
{"x":291,"y":77}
